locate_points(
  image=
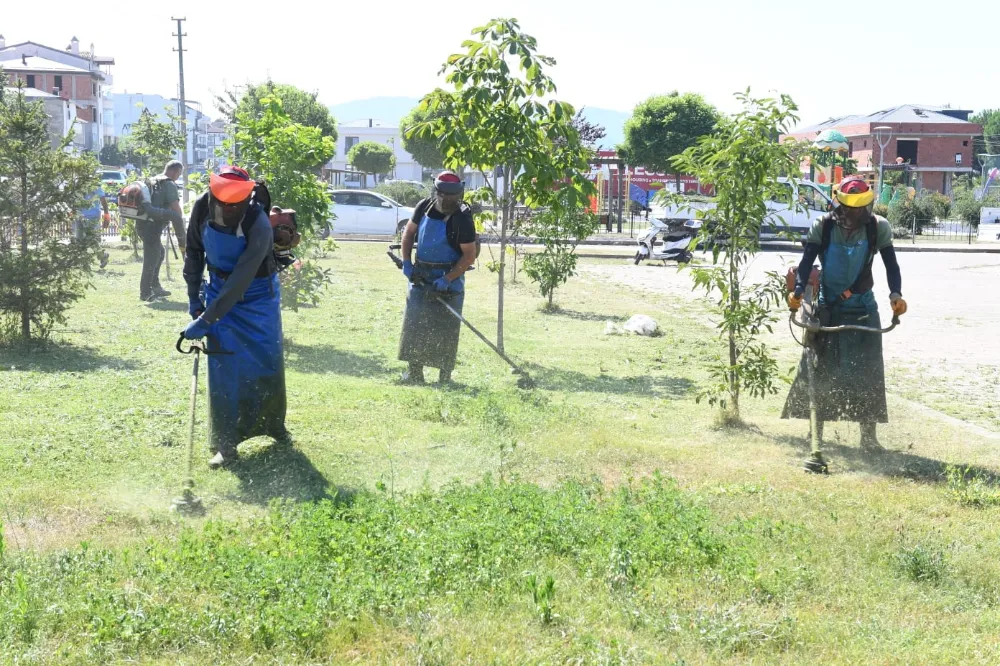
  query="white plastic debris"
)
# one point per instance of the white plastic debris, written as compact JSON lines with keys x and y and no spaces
{"x":642,"y":325}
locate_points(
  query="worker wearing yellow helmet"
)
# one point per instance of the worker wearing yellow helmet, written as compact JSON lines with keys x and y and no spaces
{"x":850,"y":375}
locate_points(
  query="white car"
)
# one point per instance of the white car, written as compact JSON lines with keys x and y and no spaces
{"x":113,"y":180}
{"x":368,"y":213}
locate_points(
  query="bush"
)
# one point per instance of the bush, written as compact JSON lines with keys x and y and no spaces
{"x":407,"y":194}
{"x":914,"y":215}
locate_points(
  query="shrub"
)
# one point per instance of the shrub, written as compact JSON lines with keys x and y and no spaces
{"x":407,"y":194}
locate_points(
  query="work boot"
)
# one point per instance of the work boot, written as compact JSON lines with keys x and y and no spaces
{"x":160,"y":292}
{"x":223,"y":459}
{"x":444,"y":377}
{"x":414,"y":375}
{"x":151,"y":298}
{"x":869,"y":442}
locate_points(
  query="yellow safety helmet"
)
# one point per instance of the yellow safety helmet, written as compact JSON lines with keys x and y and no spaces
{"x":854,"y":192}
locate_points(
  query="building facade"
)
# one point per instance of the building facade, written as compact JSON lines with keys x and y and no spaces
{"x":126,"y":109}
{"x":929,"y":145}
{"x":340,"y":174}
{"x":78,"y":78}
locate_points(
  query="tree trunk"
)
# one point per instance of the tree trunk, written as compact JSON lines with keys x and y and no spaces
{"x":504,"y":218}
{"x":734,"y":301}
{"x":677,"y":176}
{"x":551,"y":293}
{"x":25,"y":300}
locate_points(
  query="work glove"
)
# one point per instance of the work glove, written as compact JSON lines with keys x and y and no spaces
{"x":408,"y":269}
{"x":794,"y":301}
{"x":196,"y":329}
{"x":195,"y":308}
{"x":442,"y":284}
{"x":898,"y":304}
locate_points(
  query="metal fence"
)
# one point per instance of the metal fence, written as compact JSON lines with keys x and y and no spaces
{"x":923,"y":230}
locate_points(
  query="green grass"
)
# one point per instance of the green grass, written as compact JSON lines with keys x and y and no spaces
{"x":476,"y":524}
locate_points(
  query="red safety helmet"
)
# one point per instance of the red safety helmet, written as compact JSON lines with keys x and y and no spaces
{"x":448,"y":182}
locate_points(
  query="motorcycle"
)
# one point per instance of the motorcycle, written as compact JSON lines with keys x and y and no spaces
{"x":676,"y":238}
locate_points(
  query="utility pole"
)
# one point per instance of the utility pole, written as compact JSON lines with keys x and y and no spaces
{"x":182,"y":104}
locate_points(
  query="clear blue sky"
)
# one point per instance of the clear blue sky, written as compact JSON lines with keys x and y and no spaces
{"x":830,"y":59}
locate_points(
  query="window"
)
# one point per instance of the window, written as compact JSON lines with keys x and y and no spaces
{"x":812,"y":198}
{"x":907,"y":149}
{"x":31,"y":80}
{"x":345,"y":199}
{"x":369,"y":200}
{"x":58,"y":83}
{"x":349,"y":142}
{"x":94,"y":88}
{"x":965,"y":144}
{"x":850,"y":149}
{"x":785,"y":195}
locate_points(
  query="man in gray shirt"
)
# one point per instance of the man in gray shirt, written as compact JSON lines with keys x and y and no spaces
{"x":165,"y":205}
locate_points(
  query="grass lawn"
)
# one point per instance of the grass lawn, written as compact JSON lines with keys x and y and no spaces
{"x":601,"y":518}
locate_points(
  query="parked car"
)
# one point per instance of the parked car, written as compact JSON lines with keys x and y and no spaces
{"x":368,"y":213}
{"x":113,"y":180}
{"x":782,"y":220}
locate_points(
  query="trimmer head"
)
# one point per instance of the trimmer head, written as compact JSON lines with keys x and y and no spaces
{"x":816,"y":464}
{"x":188,"y":504}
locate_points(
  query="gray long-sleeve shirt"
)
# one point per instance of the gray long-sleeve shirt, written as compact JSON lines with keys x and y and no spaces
{"x":260,"y":243}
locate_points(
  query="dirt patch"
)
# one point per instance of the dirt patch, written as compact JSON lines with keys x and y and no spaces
{"x":945,"y":354}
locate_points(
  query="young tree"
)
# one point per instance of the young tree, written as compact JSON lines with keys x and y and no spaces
{"x":502,"y":122}
{"x":284,"y":155}
{"x":42,"y":188}
{"x":301,"y":107}
{"x":743,"y":162}
{"x":663,"y":127}
{"x":425,"y":149}
{"x":560,"y":228}
{"x":154,"y":141}
{"x":372,"y":157}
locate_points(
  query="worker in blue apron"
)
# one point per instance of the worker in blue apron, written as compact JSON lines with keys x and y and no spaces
{"x":240,"y":313}
{"x":850,"y":375}
{"x":445,"y":235}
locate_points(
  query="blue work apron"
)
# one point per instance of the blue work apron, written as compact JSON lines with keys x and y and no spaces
{"x":430,"y":333}
{"x":247,"y":386}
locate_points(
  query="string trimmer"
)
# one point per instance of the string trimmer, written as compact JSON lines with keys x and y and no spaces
{"x":811,"y":330}
{"x":523,"y":379}
{"x":188,"y":503}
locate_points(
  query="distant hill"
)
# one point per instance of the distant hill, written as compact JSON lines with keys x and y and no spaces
{"x":392,"y":109}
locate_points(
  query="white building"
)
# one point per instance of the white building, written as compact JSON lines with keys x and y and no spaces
{"x":216,"y":137}
{"x":126,"y":108}
{"x":62,"y":116}
{"x":341,"y":174}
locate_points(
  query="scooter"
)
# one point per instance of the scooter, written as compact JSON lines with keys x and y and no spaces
{"x":811,"y":328}
{"x":676,"y":236}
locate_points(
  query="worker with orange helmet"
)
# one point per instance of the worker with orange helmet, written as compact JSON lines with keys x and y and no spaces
{"x":238,"y":309}
{"x":850,"y":374}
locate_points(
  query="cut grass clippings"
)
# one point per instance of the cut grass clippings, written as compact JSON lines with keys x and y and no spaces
{"x":478,"y":523}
